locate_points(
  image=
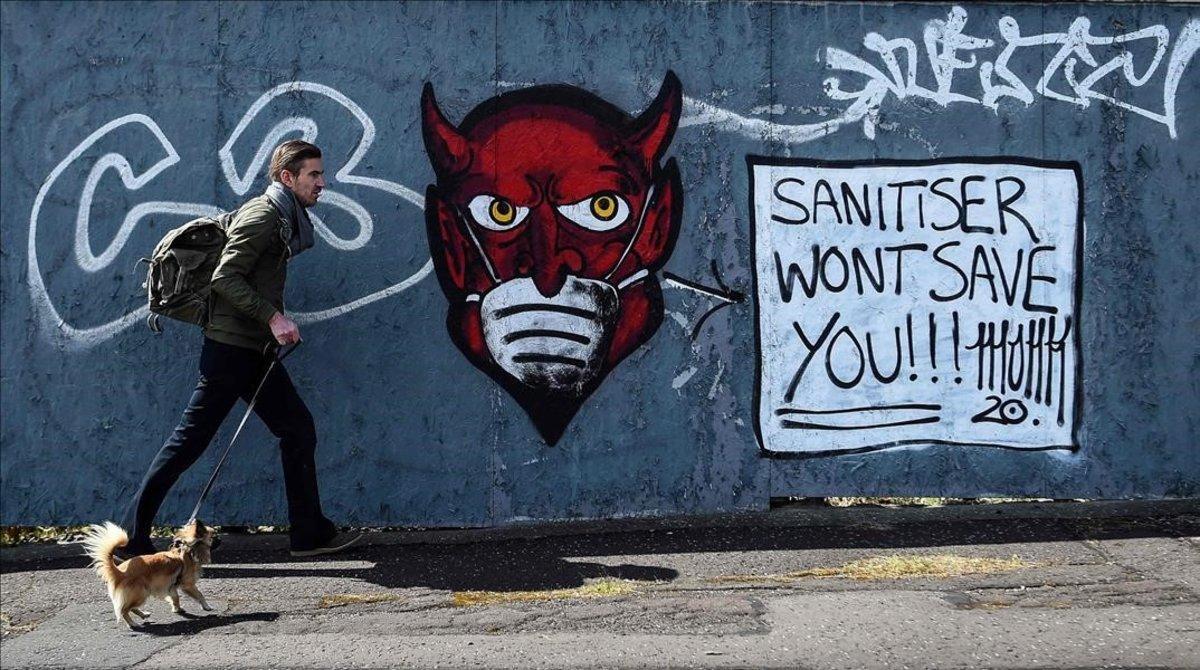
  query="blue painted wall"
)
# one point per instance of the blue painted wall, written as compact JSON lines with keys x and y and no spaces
{"x":410,"y":432}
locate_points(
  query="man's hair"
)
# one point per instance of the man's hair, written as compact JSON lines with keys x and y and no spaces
{"x":290,"y":156}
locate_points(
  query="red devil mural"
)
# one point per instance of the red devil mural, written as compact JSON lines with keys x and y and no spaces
{"x":549,"y":219}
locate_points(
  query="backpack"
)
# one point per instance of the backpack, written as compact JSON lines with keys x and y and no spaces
{"x":181,"y":269}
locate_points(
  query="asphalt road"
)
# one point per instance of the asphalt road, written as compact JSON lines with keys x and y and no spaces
{"x":1092,"y":585}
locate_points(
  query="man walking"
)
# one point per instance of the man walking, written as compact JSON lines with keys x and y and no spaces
{"x":246,"y":318}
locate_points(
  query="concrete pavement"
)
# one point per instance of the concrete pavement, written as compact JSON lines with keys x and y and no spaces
{"x":1070,"y":585}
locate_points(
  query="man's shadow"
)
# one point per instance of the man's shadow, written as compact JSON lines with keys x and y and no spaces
{"x":510,"y":565}
{"x":562,"y":561}
{"x":557,"y":562}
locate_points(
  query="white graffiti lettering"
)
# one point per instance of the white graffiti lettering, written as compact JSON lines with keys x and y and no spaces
{"x":950,"y":50}
{"x":69,"y":336}
{"x":307,"y":128}
{"x":946,"y":46}
{"x":700,"y":113}
{"x":73,"y":338}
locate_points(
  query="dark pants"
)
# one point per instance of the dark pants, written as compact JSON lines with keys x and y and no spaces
{"x":226,"y":374}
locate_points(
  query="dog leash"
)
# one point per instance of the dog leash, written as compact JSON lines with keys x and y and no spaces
{"x":253,"y":399}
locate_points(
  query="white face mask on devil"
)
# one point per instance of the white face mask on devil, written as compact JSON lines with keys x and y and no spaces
{"x":555,"y":343}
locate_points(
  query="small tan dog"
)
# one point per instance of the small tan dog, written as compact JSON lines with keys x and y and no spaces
{"x":163,"y":574}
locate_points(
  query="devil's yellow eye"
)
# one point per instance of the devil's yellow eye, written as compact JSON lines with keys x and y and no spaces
{"x":496,"y":213}
{"x":604,"y":207}
{"x":502,"y":212}
{"x":603,"y":211}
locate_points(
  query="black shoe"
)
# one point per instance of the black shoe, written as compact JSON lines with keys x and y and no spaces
{"x":324,"y":541}
{"x":332,"y":545}
{"x":135,"y":547}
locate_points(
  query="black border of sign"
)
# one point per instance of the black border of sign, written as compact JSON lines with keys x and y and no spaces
{"x":753,"y":160}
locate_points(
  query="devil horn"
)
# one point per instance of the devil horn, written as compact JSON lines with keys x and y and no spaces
{"x":448,"y":150}
{"x":651,"y":132}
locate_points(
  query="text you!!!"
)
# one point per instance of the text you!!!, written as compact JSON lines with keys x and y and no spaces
{"x":907,"y":303}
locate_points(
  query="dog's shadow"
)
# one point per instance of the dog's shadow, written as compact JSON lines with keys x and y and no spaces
{"x":192,"y":623}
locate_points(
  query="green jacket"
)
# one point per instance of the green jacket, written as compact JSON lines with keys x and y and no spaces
{"x":247,"y":286}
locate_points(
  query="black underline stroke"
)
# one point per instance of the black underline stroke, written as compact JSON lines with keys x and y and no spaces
{"x":786,"y":423}
{"x":848,"y":410}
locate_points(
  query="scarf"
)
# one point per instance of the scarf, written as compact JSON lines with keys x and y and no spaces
{"x":298,"y":228}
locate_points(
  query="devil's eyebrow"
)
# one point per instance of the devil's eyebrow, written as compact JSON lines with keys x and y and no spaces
{"x":622,"y":174}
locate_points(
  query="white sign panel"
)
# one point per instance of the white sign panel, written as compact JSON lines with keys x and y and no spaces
{"x":916,"y":302}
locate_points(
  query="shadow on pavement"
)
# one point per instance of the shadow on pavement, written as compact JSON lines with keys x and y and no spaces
{"x":541,"y":563}
{"x":551,"y":562}
{"x":194,"y":624}
{"x":518,"y":567}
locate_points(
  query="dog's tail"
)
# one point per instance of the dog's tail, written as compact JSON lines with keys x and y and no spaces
{"x":99,"y":542}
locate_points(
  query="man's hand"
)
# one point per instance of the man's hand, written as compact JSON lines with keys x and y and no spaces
{"x":284,"y":329}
